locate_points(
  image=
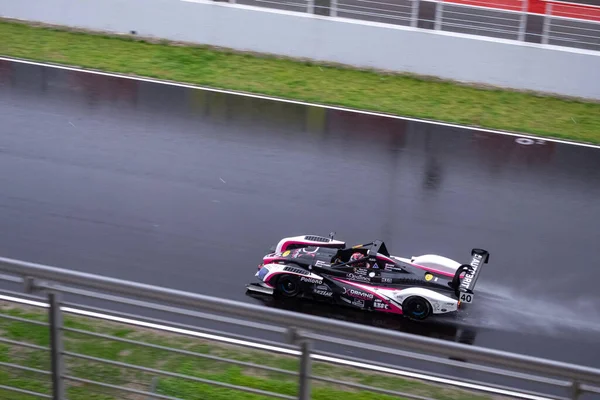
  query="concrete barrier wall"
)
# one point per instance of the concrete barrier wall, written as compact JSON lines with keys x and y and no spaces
{"x":509,"y":64}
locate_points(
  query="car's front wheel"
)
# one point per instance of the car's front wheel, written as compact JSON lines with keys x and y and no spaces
{"x":288,"y":286}
{"x":416,"y":308}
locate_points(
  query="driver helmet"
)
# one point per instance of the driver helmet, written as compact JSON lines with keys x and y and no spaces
{"x":356,"y":256}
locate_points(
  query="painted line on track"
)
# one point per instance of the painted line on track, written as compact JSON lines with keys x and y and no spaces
{"x":340,"y":361}
{"x":297,"y":102}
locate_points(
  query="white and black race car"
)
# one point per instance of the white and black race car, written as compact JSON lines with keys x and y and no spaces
{"x":367,"y":276}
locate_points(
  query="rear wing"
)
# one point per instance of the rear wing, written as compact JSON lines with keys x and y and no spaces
{"x":464,"y":287}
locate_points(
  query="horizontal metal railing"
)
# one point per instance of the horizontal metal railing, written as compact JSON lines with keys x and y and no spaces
{"x":481,"y":20}
{"x":301,"y":332}
{"x":573,"y":26}
{"x":288,"y":5}
{"x":566,"y":31}
{"x":398,"y":12}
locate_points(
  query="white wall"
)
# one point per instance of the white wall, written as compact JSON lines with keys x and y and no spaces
{"x":470,"y":59}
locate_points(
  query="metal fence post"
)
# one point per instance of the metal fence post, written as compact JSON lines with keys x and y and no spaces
{"x":153,"y":385}
{"x":56,"y":346}
{"x":333,"y":8}
{"x":523,"y":22}
{"x":438,"y":14}
{"x":547,"y":22}
{"x":414,"y":15}
{"x":310,"y":6}
{"x":305,"y":363}
{"x":575,"y":390}
{"x":305,"y":370}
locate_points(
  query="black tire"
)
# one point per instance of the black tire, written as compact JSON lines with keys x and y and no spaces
{"x":288,"y":286}
{"x":416,"y":308}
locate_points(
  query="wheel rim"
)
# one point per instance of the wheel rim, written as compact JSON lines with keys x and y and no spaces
{"x":288,"y":286}
{"x":417,"y":308}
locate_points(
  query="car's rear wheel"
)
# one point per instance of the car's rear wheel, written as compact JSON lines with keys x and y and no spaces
{"x":288,"y":285}
{"x":416,"y":308}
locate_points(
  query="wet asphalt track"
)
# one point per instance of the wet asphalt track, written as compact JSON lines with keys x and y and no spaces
{"x":187,"y":189}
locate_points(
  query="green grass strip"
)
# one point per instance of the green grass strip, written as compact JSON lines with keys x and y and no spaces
{"x":178,"y":363}
{"x":397,"y":94}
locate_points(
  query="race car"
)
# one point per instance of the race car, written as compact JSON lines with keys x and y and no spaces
{"x":367,"y":276}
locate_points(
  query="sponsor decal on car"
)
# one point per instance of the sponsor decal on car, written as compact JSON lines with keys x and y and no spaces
{"x":310,"y":280}
{"x":359,"y":303}
{"x":428,"y":277}
{"x":358,"y":293}
{"x":388,"y":267}
{"x":323,"y":290}
{"x":286,"y":253}
{"x":380,"y":305}
{"x":386,"y":280}
{"x":466,"y":282}
{"x":358,"y":277}
{"x":320,"y":263}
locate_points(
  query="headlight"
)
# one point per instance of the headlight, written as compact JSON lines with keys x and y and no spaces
{"x":262,"y":273}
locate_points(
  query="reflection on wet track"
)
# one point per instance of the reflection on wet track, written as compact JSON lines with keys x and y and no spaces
{"x":188,"y":189}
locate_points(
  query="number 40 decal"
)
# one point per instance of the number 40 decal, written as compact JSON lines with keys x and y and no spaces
{"x":466,"y":298}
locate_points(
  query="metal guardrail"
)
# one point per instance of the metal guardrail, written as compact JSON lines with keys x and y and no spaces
{"x":482,"y":20}
{"x":301,"y":330}
{"x":398,"y":12}
{"x":570,"y":31}
{"x":493,"y":18}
